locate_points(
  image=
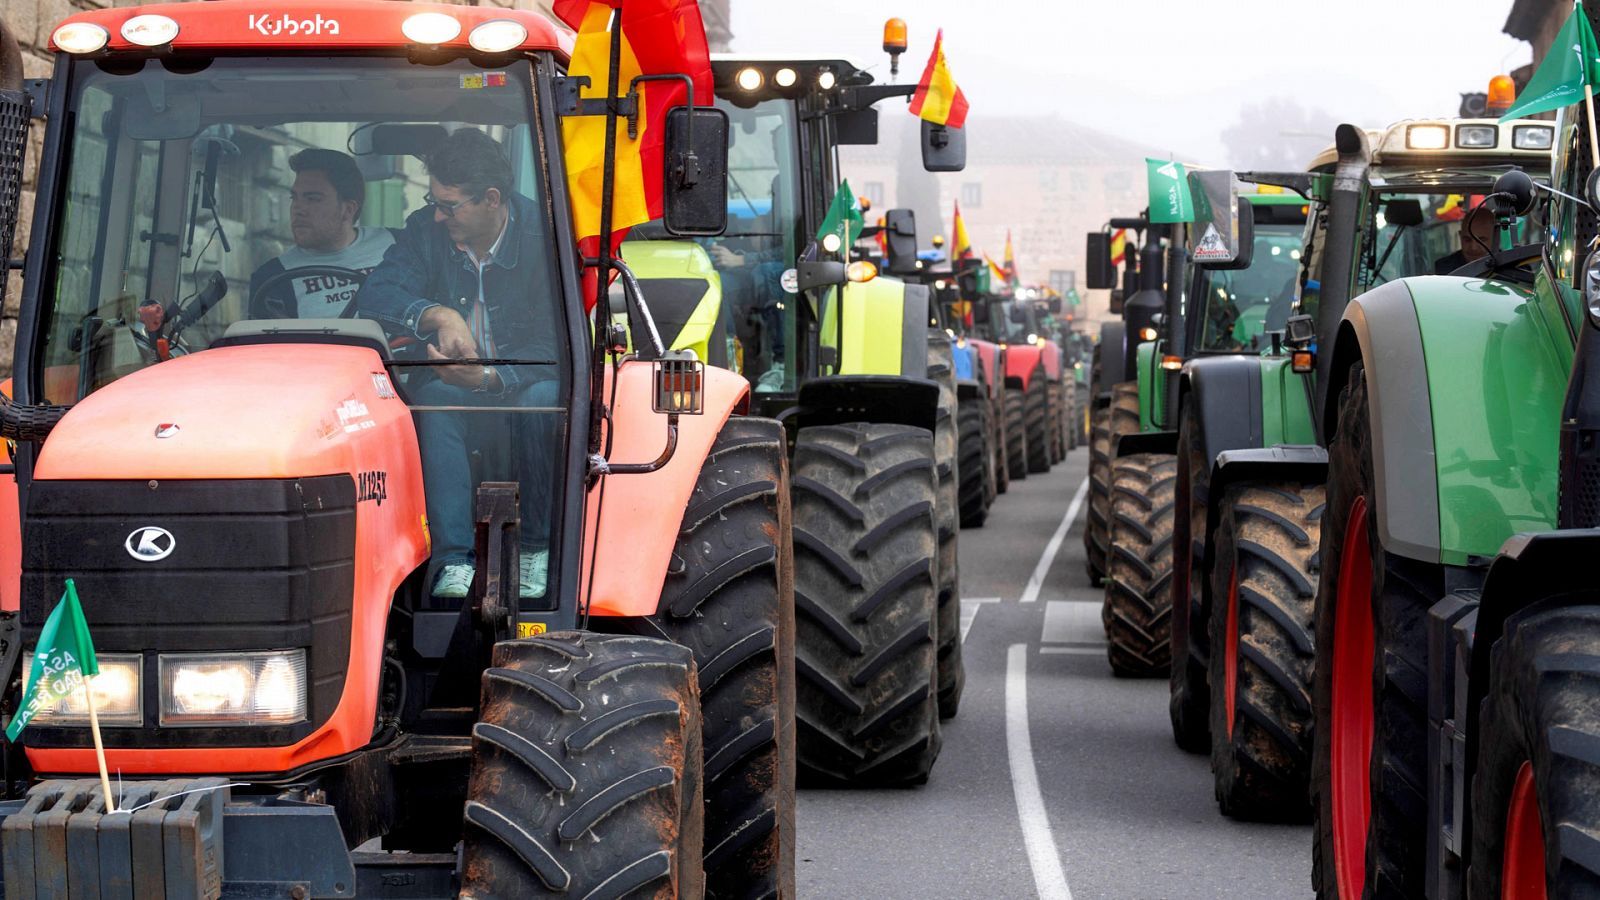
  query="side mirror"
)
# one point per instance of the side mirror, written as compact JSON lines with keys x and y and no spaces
{"x":900,"y":237}
{"x":696,"y":180}
{"x":1102,"y":273}
{"x":1223,"y":233}
{"x":810,"y":274}
{"x":944,"y":149}
{"x":1404,"y":211}
{"x":857,"y":127}
{"x":1116,"y":301}
{"x":1018,"y":315}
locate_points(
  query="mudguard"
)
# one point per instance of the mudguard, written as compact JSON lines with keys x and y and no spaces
{"x":882,"y":399}
{"x":1226,"y":393}
{"x":966,"y":360}
{"x":990,"y":357}
{"x":637,"y":548}
{"x":885,"y":328}
{"x":1111,"y":349}
{"x":1461,"y":468}
{"x":1022,"y":361}
{"x":1050,"y":352}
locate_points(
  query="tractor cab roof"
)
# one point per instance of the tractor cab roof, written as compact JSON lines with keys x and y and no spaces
{"x":1470,"y":142}
{"x":310,"y":25}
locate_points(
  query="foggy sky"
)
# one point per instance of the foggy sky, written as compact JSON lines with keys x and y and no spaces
{"x":1164,"y":73}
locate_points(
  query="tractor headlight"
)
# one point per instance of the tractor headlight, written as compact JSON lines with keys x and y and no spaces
{"x":233,"y":688}
{"x":1533,"y":137}
{"x":1427,"y":137}
{"x":1477,"y":137}
{"x":116,"y":695}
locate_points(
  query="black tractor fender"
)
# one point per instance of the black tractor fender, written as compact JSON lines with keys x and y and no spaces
{"x":1305,"y":463}
{"x":969,"y":389}
{"x":1113,"y":347}
{"x":1226,"y":393}
{"x":1146,"y":442}
{"x":880,"y":399}
{"x":1378,"y":328}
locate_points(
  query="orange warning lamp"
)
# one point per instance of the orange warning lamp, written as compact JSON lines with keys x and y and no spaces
{"x":938,"y":241}
{"x":1502,"y":93}
{"x":866,"y":203}
{"x":894,"y":42}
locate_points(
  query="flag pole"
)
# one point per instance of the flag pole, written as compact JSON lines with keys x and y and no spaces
{"x":99,"y":748}
{"x":1594,"y":144}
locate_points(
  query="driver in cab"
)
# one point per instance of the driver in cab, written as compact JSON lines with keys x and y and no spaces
{"x":466,"y":275}
{"x":325,"y":203}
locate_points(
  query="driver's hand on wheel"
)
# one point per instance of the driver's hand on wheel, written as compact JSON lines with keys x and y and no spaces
{"x":727,"y":259}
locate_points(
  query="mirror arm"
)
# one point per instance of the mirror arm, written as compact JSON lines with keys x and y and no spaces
{"x":633,"y":294}
{"x":599,"y":465}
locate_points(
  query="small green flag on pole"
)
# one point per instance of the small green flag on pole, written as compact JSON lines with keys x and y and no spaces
{"x":63,"y":663}
{"x":1572,"y":64}
{"x":844,"y":208}
{"x":1170,"y":200}
{"x":64,"y":657}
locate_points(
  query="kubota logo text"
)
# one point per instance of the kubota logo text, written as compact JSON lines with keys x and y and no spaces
{"x":284,"y":24}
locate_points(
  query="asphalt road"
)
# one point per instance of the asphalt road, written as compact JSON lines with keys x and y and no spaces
{"x":1056,"y":780}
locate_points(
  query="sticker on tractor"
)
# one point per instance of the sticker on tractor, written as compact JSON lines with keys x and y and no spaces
{"x":372,"y":486}
{"x":790,"y":281}
{"x":384,"y":389}
{"x":1211,"y":246}
{"x":529,"y":629}
{"x":354,"y":415}
{"x":477,"y":80}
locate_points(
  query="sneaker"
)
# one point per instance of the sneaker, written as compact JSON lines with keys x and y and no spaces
{"x":534,"y":570}
{"x":453,"y":582}
{"x":770,"y":380}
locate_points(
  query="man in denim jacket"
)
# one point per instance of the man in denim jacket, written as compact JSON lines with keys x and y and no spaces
{"x":471,"y":275}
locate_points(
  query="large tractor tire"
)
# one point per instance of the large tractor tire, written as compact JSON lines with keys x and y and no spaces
{"x":1534,"y":808}
{"x":866,"y":570}
{"x":729,"y":597}
{"x":585,"y":771}
{"x":1138,"y":603}
{"x":976,"y":464}
{"x":1369,"y":691}
{"x":1189,"y":704}
{"x":1017,"y":450}
{"x":998,"y":438}
{"x":1053,"y":416}
{"x":1036,"y":420}
{"x":1121,"y":417}
{"x":947,"y":513}
{"x":1264,"y":582}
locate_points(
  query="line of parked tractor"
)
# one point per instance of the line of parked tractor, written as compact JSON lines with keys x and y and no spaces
{"x":1343,"y":490}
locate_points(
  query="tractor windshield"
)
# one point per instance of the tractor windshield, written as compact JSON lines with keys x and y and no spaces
{"x":1416,"y":233}
{"x":209,"y":200}
{"x":1242,"y":305}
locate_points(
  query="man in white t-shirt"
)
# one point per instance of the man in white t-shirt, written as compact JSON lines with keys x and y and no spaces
{"x":324,"y":206}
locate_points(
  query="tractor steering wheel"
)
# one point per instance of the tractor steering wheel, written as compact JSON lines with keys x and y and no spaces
{"x":265,"y":305}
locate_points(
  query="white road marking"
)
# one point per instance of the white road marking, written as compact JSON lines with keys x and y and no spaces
{"x":1031,"y":592}
{"x":1048,"y":877}
{"x":969,"y":612}
{"x":1075,"y":651}
{"x":1072,"y":622}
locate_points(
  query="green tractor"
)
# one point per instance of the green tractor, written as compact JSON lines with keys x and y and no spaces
{"x":1251,"y":491}
{"x":849,"y":360}
{"x":1134,"y":466}
{"x":1456,"y":685}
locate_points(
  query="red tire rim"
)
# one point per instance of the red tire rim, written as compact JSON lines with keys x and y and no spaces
{"x":1230,"y":658}
{"x":1522,"y":870}
{"x":1351,"y":738}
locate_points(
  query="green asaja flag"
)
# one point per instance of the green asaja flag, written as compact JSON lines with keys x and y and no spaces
{"x":1572,"y":63}
{"x":843,"y":209}
{"x":1170,"y":200}
{"x":65,"y":656}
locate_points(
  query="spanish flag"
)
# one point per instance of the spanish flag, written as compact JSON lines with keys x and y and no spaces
{"x":995,"y":272}
{"x":938,"y":98}
{"x":1119,"y":246}
{"x":659,"y":37}
{"x":1011,"y":263}
{"x":961,"y":244}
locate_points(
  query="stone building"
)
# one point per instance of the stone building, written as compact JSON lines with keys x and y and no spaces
{"x":30,"y":22}
{"x":1535,"y":21}
{"x":1046,"y":180}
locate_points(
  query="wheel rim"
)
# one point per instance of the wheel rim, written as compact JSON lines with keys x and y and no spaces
{"x":1230,"y":657}
{"x":1352,"y":705}
{"x":1522,"y":871}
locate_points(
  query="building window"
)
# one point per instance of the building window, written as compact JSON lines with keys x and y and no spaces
{"x":1062,"y":281}
{"x":972,"y":194}
{"x":873,"y":191}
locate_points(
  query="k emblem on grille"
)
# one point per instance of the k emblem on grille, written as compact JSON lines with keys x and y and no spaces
{"x":150,"y":544}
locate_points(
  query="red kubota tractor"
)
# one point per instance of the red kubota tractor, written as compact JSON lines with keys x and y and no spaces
{"x":260,"y":463}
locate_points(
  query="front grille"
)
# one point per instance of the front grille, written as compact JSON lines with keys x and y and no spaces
{"x":192,"y":566}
